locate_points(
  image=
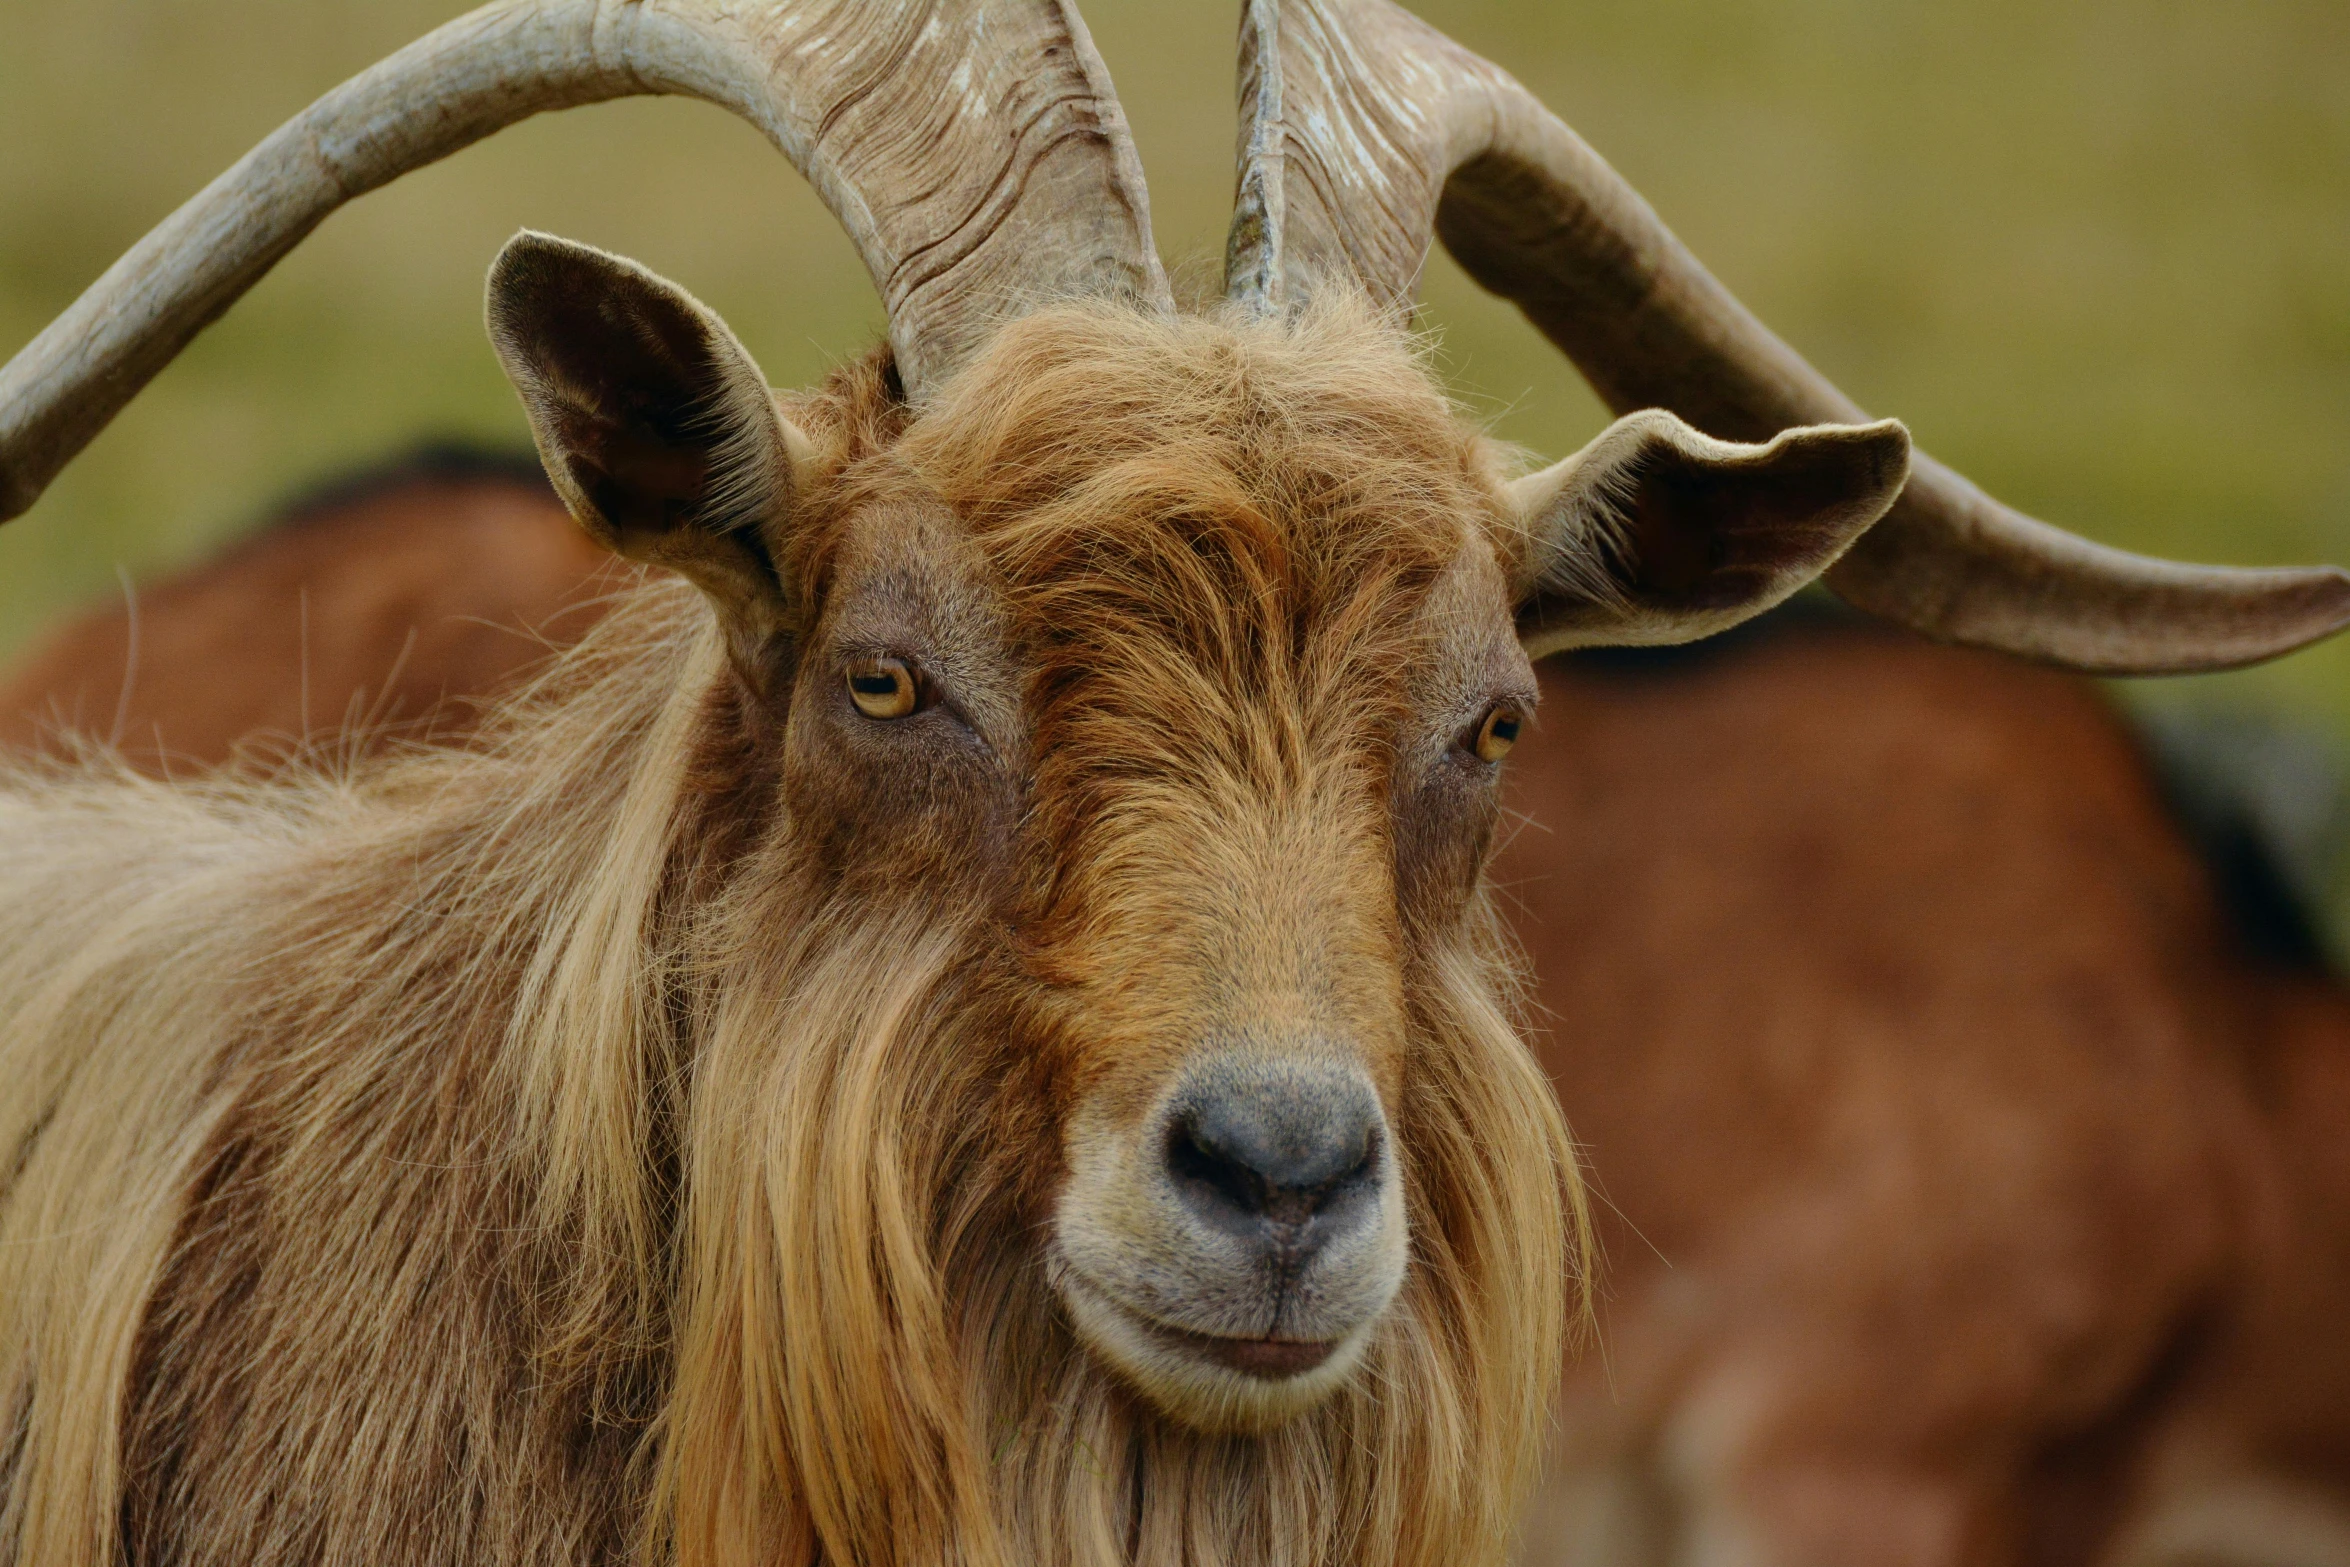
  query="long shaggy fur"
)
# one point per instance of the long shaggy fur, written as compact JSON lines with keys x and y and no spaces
{"x":554,"y":1152}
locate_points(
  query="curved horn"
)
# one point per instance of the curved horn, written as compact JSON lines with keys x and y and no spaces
{"x":973,"y":149}
{"x":1365,"y":131}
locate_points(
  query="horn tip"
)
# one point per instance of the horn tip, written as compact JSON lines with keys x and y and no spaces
{"x":2259,"y":615}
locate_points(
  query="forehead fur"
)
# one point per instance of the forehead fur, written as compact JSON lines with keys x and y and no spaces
{"x":1223,"y":520}
{"x":1331,"y":424}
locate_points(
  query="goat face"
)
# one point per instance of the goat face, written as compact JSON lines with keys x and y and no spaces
{"x":1145,"y":690}
{"x":1155,"y":653}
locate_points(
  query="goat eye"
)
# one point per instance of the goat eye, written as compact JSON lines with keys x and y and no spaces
{"x":883,"y":687}
{"x":1498,"y":733}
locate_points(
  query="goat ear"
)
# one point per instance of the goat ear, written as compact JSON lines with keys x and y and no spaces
{"x":1655,"y":533}
{"x":655,"y":425}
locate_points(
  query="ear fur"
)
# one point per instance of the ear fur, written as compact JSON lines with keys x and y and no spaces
{"x":1656,"y":533}
{"x":655,"y":425}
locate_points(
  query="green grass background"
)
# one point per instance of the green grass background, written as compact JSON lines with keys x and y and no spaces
{"x":2096,"y":252}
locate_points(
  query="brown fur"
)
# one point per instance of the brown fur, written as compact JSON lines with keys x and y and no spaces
{"x":282,"y":643}
{"x":629,"y":1136}
{"x":1967,"y":1195}
{"x":2073,"y":1314}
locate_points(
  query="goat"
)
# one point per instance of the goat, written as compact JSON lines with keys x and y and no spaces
{"x":384,"y":604}
{"x":1808,"y":1203}
{"x":1969,"y":1191}
{"x":969,"y":1026}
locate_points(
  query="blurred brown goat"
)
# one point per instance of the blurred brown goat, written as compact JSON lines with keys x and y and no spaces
{"x":1971,"y":1193}
{"x":343,"y":620}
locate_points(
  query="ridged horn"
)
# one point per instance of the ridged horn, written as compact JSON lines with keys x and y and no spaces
{"x":973,"y":149}
{"x":1365,"y":132}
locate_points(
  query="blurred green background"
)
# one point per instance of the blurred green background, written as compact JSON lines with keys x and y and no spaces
{"x":2096,"y":252}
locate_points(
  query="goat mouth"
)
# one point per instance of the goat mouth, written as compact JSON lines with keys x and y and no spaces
{"x":1267,"y":1359}
{"x":1215,"y":1382}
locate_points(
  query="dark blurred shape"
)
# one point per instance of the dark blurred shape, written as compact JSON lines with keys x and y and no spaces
{"x":433,"y":464}
{"x":2263,"y":796}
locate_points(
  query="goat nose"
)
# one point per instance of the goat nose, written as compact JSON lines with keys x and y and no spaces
{"x":1295,"y":1149}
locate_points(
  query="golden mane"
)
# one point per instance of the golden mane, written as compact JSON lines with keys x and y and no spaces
{"x":459,"y":1160}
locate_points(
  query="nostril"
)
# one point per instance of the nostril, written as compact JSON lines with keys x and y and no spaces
{"x":1200,"y":1163}
{"x":1248,"y":1161}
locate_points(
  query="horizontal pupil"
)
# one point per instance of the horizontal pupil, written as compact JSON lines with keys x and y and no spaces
{"x":1505,"y":729}
{"x":874,"y":685}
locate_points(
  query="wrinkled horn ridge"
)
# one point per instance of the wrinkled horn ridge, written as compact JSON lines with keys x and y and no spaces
{"x":973,"y":149}
{"x":1366,"y":133}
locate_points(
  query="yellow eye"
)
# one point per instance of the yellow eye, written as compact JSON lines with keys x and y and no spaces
{"x":1498,"y":733}
{"x":882,"y":687}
